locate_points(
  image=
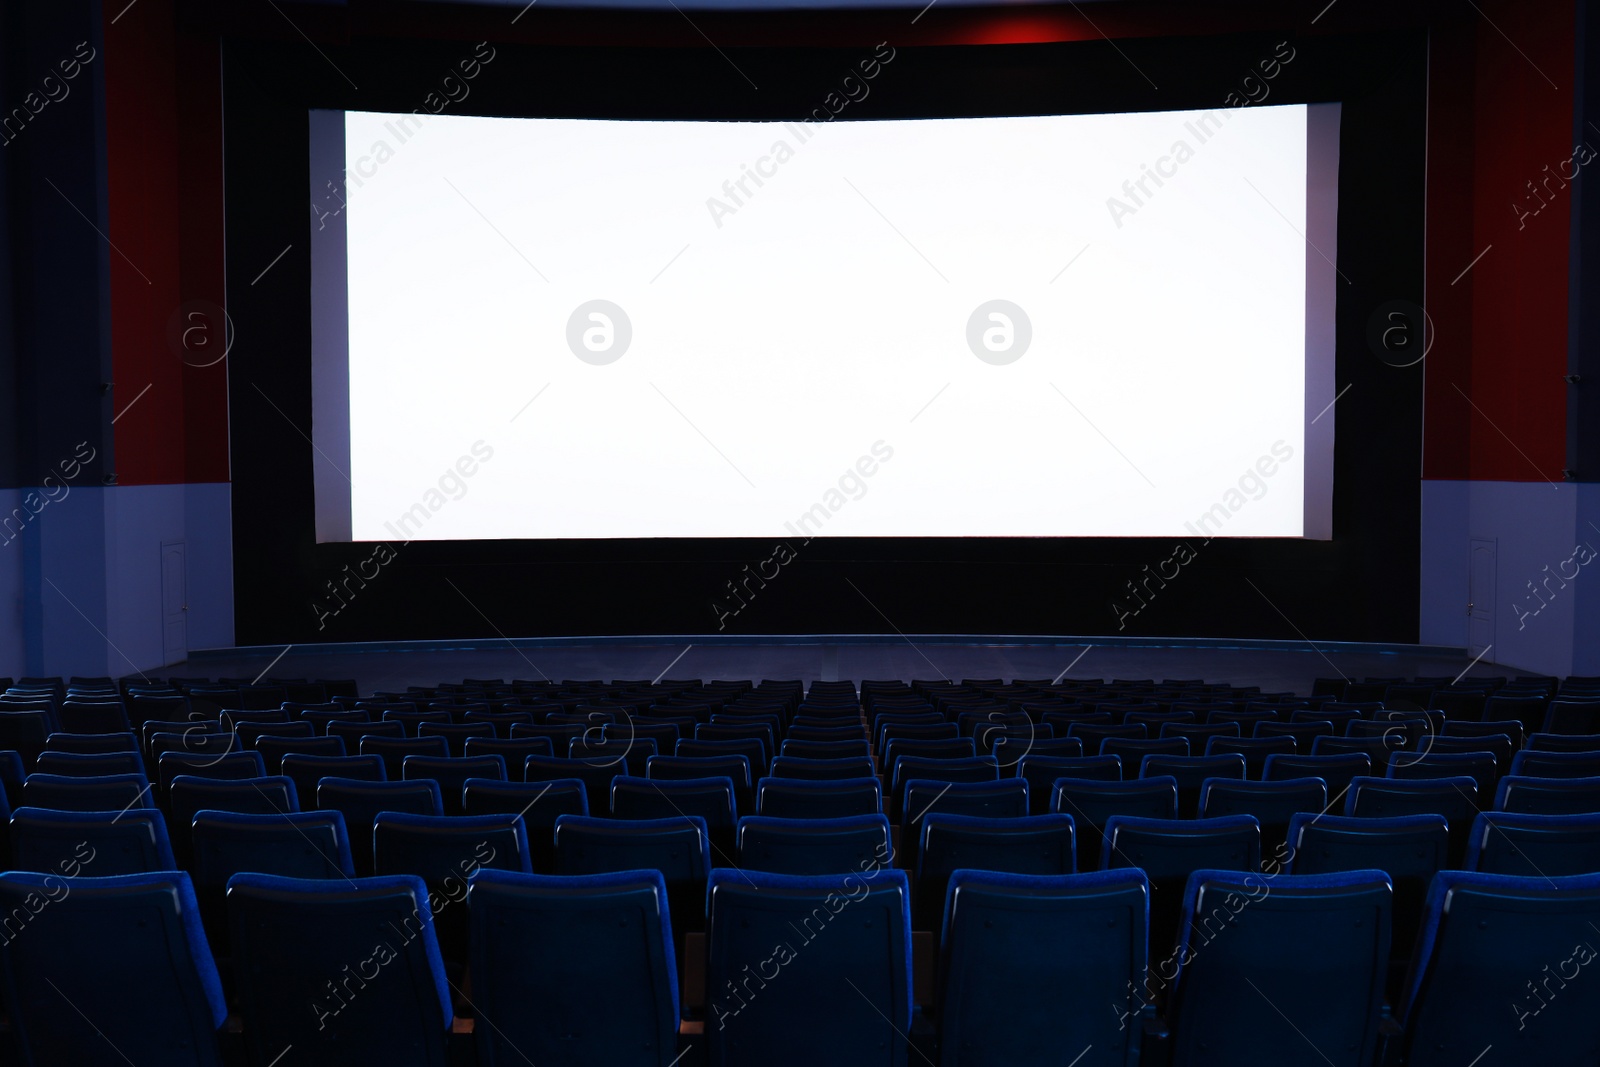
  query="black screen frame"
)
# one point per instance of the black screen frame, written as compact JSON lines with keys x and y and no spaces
{"x":1362,"y":585}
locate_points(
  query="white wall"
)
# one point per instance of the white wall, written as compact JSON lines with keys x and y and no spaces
{"x":80,"y":590}
{"x":1535,"y":526}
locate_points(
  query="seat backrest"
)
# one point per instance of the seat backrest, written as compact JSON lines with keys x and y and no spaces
{"x":1454,"y":798}
{"x":1041,"y":772}
{"x":1255,"y":750}
{"x":1133,"y":750}
{"x":274,"y":749}
{"x":1548,"y":796}
{"x":1528,"y":764}
{"x":840,"y":748}
{"x":1272,"y":804}
{"x":813,"y":846}
{"x":306,"y":844}
{"x":394,"y":751}
{"x":805,"y":935}
{"x":599,"y":939}
{"x":307,"y":771}
{"x":906,"y":768}
{"x":539,"y":803}
{"x":647,"y":798}
{"x":438,"y":848}
{"x":125,"y":741}
{"x":803,"y":798}
{"x":802,"y":767}
{"x":1080,"y":939}
{"x":1534,"y":846}
{"x":81,"y":764}
{"x":945,"y":748}
{"x":452,"y":772}
{"x":151,"y":992}
{"x":1410,"y":849}
{"x":596,"y":778}
{"x":1479,"y":766}
{"x":1336,"y":769}
{"x":291,"y":937}
{"x":514,"y":750}
{"x":1376,"y":749}
{"x":1240,"y":928}
{"x":1091,"y":803}
{"x":678,"y":847}
{"x":104,"y":843}
{"x":233,"y":765}
{"x":1192,"y":772}
{"x":1493,"y":941}
{"x":248,"y":796}
{"x":107,"y":792}
{"x":361,"y":801}
{"x":677,"y":768}
{"x":1572,"y":716}
{"x":353,"y":732}
{"x":1034,"y":844}
{"x":1564,"y":742}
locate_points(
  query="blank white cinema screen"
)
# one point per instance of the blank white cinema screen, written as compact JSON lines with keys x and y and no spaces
{"x":1108,"y":325}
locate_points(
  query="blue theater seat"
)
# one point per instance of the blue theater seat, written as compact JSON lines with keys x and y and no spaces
{"x":1032,"y":844}
{"x":170,"y":765}
{"x":1528,"y":764}
{"x":1410,"y":849}
{"x":679,"y":848}
{"x":813,"y":846}
{"x":975,"y":769}
{"x":124,"y":741}
{"x":1244,"y":992}
{"x":361,"y":801}
{"x":596,"y":777}
{"x":1069,"y":946}
{"x":104,"y":843}
{"x":1091,"y":803}
{"x":1041,"y":772}
{"x":127,"y":953}
{"x":831,"y":961}
{"x":601,"y":940}
{"x":1548,"y":796}
{"x":514,"y":750}
{"x":1337,"y":770}
{"x":1255,"y":750}
{"x":107,"y":792}
{"x":1002,"y":798}
{"x":801,"y":798}
{"x":1479,"y":766}
{"x":648,"y":798}
{"x":394,"y":750}
{"x":1500,"y":964}
{"x":1272,"y":803}
{"x":800,"y":768}
{"x":1534,"y":846}
{"x":303,"y":951}
{"x":1454,"y":798}
{"x":444,"y":851}
{"x":1168,"y":851}
{"x":82,"y":764}
{"x":452,"y":773}
{"x":308,"y":770}
{"x":275,"y":749}
{"x":1192,"y":772}
{"x":304,"y":844}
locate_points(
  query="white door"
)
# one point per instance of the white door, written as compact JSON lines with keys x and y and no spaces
{"x":174,"y":603}
{"x":1480,"y":598}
